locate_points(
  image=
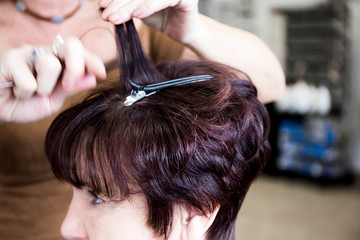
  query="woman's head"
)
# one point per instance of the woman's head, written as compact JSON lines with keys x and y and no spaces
{"x":185,"y":152}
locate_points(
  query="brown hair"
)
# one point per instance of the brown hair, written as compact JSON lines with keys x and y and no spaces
{"x":199,"y":145}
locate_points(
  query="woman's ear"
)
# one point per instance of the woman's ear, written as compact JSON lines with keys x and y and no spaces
{"x":195,"y":224}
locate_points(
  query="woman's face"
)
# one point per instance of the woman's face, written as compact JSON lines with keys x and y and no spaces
{"x":90,"y":217}
{"x":94,"y":218}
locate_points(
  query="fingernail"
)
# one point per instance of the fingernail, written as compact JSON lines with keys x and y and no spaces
{"x":104,"y":3}
{"x":101,"y":72}
{"x":105,"y":15}
{"x":117,"y":18}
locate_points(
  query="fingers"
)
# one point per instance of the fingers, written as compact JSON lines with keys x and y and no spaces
{"x":94,"y":65}
{"x":39,"y":73}
{"x":72,"y":54}
{"x":60,"y":94}
{"x":77,"y":60}
{"x":15,"y":67}
{"x":34,"y":74}
{"x":150,"y":7}
{"x":48,"y":69}
{"x":119,"y":11}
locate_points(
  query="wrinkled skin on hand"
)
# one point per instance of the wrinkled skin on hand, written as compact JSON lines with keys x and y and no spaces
{"x":41,"y":86}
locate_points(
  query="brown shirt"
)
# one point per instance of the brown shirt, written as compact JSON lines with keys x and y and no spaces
{"x":32,"y":202}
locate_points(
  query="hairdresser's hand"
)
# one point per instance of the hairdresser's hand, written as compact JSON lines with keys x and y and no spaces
{"x":176,"y":18}
{"x":42,"y":84}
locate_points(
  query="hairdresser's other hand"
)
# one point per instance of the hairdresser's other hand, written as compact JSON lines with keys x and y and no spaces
{"x":42,"y":85}
{"x":176,"y":18}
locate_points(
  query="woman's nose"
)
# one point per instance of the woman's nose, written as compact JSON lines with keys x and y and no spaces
{"x":73,"y":225}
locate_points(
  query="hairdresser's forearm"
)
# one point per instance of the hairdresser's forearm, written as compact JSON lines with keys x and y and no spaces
{"x":242,"y":50}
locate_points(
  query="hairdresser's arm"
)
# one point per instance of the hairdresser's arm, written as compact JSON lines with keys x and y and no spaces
{"x":38,"y":92}
{"x":242,"y":50}
{"x":208,"y":38}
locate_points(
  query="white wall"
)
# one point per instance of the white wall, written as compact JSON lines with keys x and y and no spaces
{"x":354,"y":106}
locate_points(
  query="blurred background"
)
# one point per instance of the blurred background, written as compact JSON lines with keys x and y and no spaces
{"x":310,"y":188}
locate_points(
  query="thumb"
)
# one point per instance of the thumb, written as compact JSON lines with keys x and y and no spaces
{"x":60,"y":94}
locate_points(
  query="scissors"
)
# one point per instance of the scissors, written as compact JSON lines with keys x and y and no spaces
{"x":139,"y":92}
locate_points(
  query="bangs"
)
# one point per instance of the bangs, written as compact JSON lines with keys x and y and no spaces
{"x":83,"y":152}
{"x":115,"y":150}
{"x":197,"y":145}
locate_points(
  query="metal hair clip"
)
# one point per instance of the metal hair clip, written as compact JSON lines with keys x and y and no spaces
{"x":139,"y":92}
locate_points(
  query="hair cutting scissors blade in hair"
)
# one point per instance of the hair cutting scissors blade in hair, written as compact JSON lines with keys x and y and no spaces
{"x":6,"y":85}
{"x":139,"y":92}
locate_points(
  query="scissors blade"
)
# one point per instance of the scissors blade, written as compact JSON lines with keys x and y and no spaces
{"x":6,"y":85}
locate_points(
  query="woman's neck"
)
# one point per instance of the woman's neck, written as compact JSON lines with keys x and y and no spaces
{"x":51,"y":8}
